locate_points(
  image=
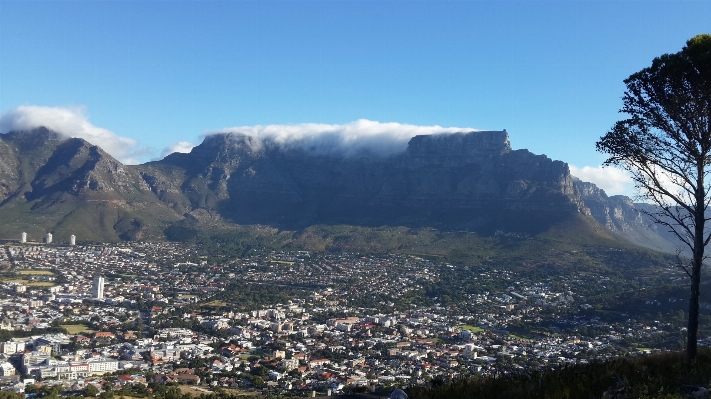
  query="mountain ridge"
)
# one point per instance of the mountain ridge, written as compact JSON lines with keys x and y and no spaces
{"x":472,"y":181}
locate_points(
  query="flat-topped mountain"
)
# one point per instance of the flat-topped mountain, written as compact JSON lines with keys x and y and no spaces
{"x":462,"y":181}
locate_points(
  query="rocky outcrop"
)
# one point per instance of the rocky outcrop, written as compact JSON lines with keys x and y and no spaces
{"x":459,"y":181}
{"x":69,"y":186}
{"x":621,"y":215}
{"x":463,"y":181}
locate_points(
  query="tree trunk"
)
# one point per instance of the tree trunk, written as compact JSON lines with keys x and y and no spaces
{"x":699,"y":220}
{"x":693,"y":328}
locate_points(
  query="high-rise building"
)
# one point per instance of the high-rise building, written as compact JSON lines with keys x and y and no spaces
{"x":98,"y":289}
{"x":48,"y":238}
{"x":23,"y":237}
{"x":72,"y":240}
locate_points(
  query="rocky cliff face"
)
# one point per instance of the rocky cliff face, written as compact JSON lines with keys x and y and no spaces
{"x":619,"y":214}
{"x":69,"y":186}
{"x":464,"y":181}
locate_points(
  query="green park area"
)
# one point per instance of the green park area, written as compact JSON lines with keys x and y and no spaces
{"x":522,"y":337}
{"x":36,"y":272}
{"x":30,"y":283}
{"x":77,"y":328}
{"x":215,"y":304}
{"x":25,"y":276}
{"x":474,"y":329}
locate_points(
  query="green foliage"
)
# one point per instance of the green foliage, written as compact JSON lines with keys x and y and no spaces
{"x":44,"y":391}
{"x":658,"y":376}
{"x":90,"y":391}
{"x":249,"y":296}
{"x":574,"y":244}
{"x":180,"y":233}
{"x":10,"y":395}
{"x":7,"y":334}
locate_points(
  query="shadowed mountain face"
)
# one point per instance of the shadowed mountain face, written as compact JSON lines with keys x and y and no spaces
{"x":456,"y":181}
{"x":464,"y":181}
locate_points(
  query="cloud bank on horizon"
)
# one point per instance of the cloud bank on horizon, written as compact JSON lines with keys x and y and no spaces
{"x":613,"y":180}
{"x":70,"y":122}
{"x":349,"y":139}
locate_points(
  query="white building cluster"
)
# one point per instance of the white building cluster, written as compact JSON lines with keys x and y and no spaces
{"x":40,"y":364}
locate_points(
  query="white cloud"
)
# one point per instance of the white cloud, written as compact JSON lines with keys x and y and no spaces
{"x":613,"y":180}
{"x":361,"y":136}
{"x":180,"y":146}
{"x":70,"y":122}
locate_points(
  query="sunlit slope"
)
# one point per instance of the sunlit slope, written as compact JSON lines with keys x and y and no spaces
{"x":68,"y":186}
{"x":576,"y":244}
{"x":444,"y":195}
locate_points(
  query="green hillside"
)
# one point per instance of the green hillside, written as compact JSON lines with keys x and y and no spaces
{"x":575,"y":244}
{"x":657,"y":376}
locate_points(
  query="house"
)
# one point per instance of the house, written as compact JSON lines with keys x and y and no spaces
{"x":187,"y":379}
{"x":6,"y":369}
{"x":124,"y":379}
{"x":184,"y":370}
{"x":318,"y":362}
{"x":5,"y":324}
{"x":104,"y":335}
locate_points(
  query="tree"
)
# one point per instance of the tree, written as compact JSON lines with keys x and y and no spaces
{"x":665,"y":145}
{"x":10,"y":395}
{"x":90,"y":391}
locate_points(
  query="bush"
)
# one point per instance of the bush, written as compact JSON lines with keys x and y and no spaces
{"x":665,"y":375}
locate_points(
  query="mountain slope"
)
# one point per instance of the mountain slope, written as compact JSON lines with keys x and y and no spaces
{"x":620,"y":215}
{"x":457,"y":181}
{"x":68,"y":186}
{"x":452,"y":182}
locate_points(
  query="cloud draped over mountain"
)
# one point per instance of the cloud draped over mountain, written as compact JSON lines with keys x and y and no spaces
{"x":70,"y":122}
{"x":345,"y":140}
{"x":349,"y":139}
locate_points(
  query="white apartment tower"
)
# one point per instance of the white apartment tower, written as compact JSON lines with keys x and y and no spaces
{"x":48,"y":238}
{"x":23,"y":238}
{"x":98,"y":289}
{"x":72,"y":240}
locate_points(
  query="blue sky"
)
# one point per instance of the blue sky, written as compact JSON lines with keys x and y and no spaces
{"x":157,"y":73}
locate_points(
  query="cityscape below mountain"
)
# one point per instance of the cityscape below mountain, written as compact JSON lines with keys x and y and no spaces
{"x":245,"y":266}
{"x":452,"y":182}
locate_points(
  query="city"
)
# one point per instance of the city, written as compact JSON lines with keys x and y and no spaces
{"x":295,"y":322}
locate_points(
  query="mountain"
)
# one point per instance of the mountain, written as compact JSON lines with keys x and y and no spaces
{"x":469,"y":181}
{"x":457,"y":181}
{"x":622,"y":216}
{"x":68,"y":186}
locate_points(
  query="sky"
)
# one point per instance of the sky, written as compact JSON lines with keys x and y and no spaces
{"x":145,"y":78}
